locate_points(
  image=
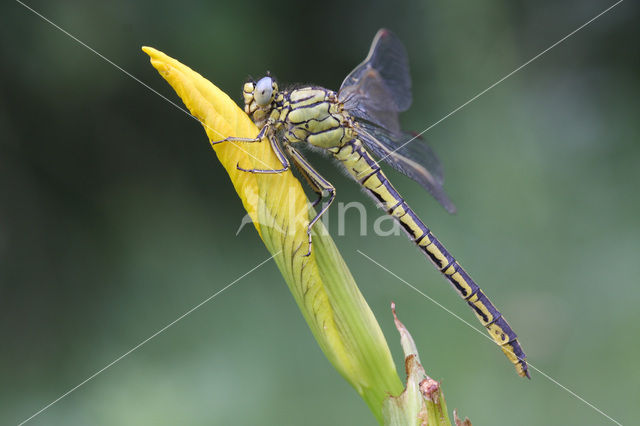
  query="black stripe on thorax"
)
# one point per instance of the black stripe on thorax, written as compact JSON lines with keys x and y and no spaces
{"x":294,"y":105}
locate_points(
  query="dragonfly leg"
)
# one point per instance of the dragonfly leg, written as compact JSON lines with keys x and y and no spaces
{"x":319,"y":185}
{"x":258,"y":138}
{"x":281,"y":157}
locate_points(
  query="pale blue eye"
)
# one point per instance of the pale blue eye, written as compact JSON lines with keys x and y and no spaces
{"x":263,"y":91}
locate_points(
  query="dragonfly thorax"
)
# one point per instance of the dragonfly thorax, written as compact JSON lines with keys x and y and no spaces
{"x":315,"y":115}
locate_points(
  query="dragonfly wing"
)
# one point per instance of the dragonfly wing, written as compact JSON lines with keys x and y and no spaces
{"x":380,"y":87}
{"x":386,"y":62}
{"x":373,"y":93}
{"x":414,"y":159}
{"x":369,"y":100}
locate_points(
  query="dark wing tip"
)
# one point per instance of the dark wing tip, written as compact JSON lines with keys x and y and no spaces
{"x":441,"y":197}
{"x":444,"y":200}
{"x":383,"y":33}
{"x":448,"y":206}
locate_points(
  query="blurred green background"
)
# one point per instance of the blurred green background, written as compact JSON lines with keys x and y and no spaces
{"x":116,"y":218}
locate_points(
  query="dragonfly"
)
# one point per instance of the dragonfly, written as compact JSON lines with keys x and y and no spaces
{"x":359,"y":120}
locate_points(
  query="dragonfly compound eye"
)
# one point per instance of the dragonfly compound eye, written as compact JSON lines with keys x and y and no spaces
{"x":264,"y":91}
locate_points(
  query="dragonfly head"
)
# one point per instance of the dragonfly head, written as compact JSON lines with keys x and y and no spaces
{"x":259,"y":96}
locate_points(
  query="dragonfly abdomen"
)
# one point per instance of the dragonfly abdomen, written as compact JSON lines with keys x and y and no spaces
{"x":364,"y":168}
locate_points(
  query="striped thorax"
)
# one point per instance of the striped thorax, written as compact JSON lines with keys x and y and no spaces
{"x":308,"y":114}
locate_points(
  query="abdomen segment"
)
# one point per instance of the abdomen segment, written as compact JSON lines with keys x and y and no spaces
{"x":364,"y":168}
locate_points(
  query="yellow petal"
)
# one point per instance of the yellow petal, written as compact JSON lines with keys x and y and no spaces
{"x":321,"y":284}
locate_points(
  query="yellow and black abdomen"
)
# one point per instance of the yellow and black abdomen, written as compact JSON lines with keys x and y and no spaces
{"x":365,"y":170}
